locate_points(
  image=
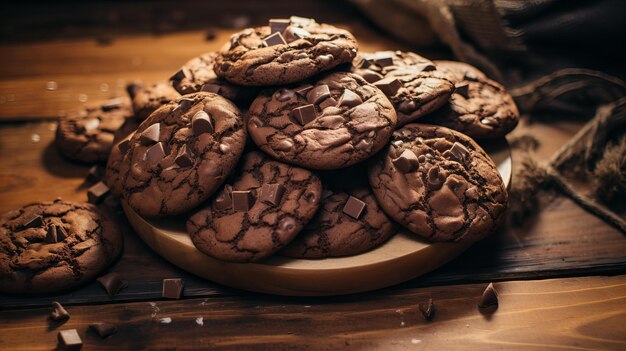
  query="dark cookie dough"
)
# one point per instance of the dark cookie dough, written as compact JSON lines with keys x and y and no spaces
{"x":112,"y":171}
{"x":439,"y":184}
{"x":333,"y":232}
{"x":480,"y":107}
{"x":244,"y":236}
{"x":339,"y":121}
{"x":147,"y":98}
{"x":53,"y":246}
{"x":304,"y":49}
{"x":420,"y":87}
{"x":181,"y":154}
{"x":88,"y":135}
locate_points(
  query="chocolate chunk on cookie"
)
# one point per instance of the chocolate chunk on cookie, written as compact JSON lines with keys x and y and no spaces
{"x":454,"y":194}
{"x":480,"y":107}
{"x":263,"y":208}
{"x":53,"y":246}
{"x":414,"y":84}
{"x":334,"y":122}
{"x":206,"y":130}
{"x":88,"y":135}
{"x":267,"y":56}
{"x":349,"y":221}
{"x":147,"y":98}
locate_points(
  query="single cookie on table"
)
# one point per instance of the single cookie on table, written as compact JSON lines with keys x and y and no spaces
{"x":480,"y":107}
{"x":349,"y":221}
{"x":88,"y":135}
{"x":334,"y":122}
{"x":286,"y":51}
{"x":439,"y":184}
{"x":112,"y":177}
{"x":258,"y":213}
{"x":181,"y":154}
{"x":414,"y":84}
{"x":53,"y":246}
{"x":147,"y":98}
{"x":198,"y":75}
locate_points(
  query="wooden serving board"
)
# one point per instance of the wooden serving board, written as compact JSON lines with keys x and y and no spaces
{"x":401,"y":258}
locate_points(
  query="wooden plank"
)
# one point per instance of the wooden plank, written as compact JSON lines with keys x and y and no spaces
{"x":577,"y":313}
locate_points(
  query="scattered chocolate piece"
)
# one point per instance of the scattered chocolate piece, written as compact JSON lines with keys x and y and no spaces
{"x":317,"y":94}
{"x":112,"y":283}
{"x":184,"y":157}
{"x":406,"y":162}
{"x":156,"y":153}
{"x":103,"y":329}
{"x":303,"y":90}
{"x":33,"y":221}
{"x":58,"y":313}
{"x":427,"y":309}
{"x":96,"y":193}
{"x":389,"y":85}
{"x":201,"y":123}
{"x":224,"y":200}
{"x":211,"y":88}
{"x":123,"y":146}
{"x":354,"y":207}
{"x":69,"y":340}
{"x":243,"y":200}
{"x":459,"y":152}
{"x":384,"y":60}
{"x":462,"y":89}
{"x":274,"y":39}
{"x":272,"y":193}
{"x":365,"y":63}
{"x":304,"y":114}
{"x":330,"y":102}
{"x":150,"y":135}
{"x":56,"y":233}
{"x":279,"y":25}
{"x":489,"y":298}
{"x":172,"y":288}
{"x":180,"y":75}
{"x":95,"y":173}
{"x":371,"y":76}
{"x":350,"y":99}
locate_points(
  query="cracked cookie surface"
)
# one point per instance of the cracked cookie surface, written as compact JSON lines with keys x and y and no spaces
{"x":480,"y":107}
{"x":54,"y":246}
{"x":239,"y":236}
{"x":424,"y":88}
{"x":147,"y":98}
{"x":313,"y":48}
{"x":343,"y":132}
{"x":439,"y":184}
{"x":111,"y":176}
{"x":89,"y":134}
{"x":173,"y":163}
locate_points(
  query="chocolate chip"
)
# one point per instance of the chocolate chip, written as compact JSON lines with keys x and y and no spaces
{"x":407,"y":162}
{"x":294,"y":33}
{"x":150,"y":135}
{"x":325,"y":59}
{"x":424,"y":67}
{"x":365,"y":63}
{"x":184,"y":157}
{"x":243,"y":200}
{"x":223,"y":201}
{"x":350,"y":99}
{"x":304,"y":114}
{"x":112,"y":283}
{"x":58,"y":312}
{"x":272,"y":193}
{"x":462,"y":89}
{"x":317,"y":94}
{"x":201,"y":123}
{"x":97,"y":192}
{"x":383,"y":60}
{"x":489,"y":297}
{"x":95,"y":173}
{"x":427,"y":309}
{"x":283,"y":145}
{"x":91,"y":124}
{"x":211,"y":88}
{"x":459,"y":152}
{"x":32,"y":221}
{"x":279,"y":25}
{"x":274,"y":39}
{"x":389,"y":85}
{"x":123,"y":146}
{"x":371,"y":76}
{"x":330,"y":102}
{"x":364,"y":145}
{"x":354,"y":207}
{"x":180,"y":75}
{"x":286,"y":226}
{"x":283,"y":94}
{"x":303,"y":89}
{"x":103,"y":329}
{"x":172,"y":288}
{"x":155,"y":153}
{"x":303,"y":21}
{"x":185,"y":103}
{"x":224,"y":148}
{"x":435,"y":177}
{"x":69,"y":340}
{"x":56,"y":233}
{"x":488,"y":121}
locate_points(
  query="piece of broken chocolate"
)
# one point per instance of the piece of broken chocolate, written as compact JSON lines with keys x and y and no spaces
{"x":304,"y":114}
{"x":201,"y":123}
{"x":69,"y":340}
{"x":97,"y":192}
{"x":58,"y":313}
{"x":112,"y":283}
{"x":427,"y":309}
{"x":150,"y":135}
{"x":317,"y":94}
{"x":349,"y":99}
{"x":271,"y":193}
{"x":103,"y":329}
{"x":172,"y":288}
{"x":407,"y":162}
{"x":389,"y":85}
{"x":489,"y":297}
{"x":243,"y":200}
{"x":184,"y":157}
{"x":279,"y":25}
{"x":354,"y":207}
{"x":274,"y":39}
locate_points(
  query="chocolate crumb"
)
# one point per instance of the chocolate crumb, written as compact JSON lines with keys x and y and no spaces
{"x":58,"y":313}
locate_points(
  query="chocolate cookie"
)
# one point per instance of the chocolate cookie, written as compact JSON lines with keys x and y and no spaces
{"x":198,"y":75}
{"x":480,"y":107}
{"x":286,"y":51}
{"x":53,"y":246}
{"x":349,"y":221}
{"x":181,"y":154}
{"x":415,"y":86}
{"x":147,"y":98}
{"x":112,"y":177}
{"x":439,"y":184}
{"x":267,"y":205}
{"x":331,"y":123}
{"x":88,"y":135}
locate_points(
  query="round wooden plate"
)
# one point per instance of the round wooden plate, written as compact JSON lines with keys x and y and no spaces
{"x":401,"y":258}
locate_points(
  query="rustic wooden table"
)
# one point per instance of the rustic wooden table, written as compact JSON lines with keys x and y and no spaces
{"x":561,"y":277}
